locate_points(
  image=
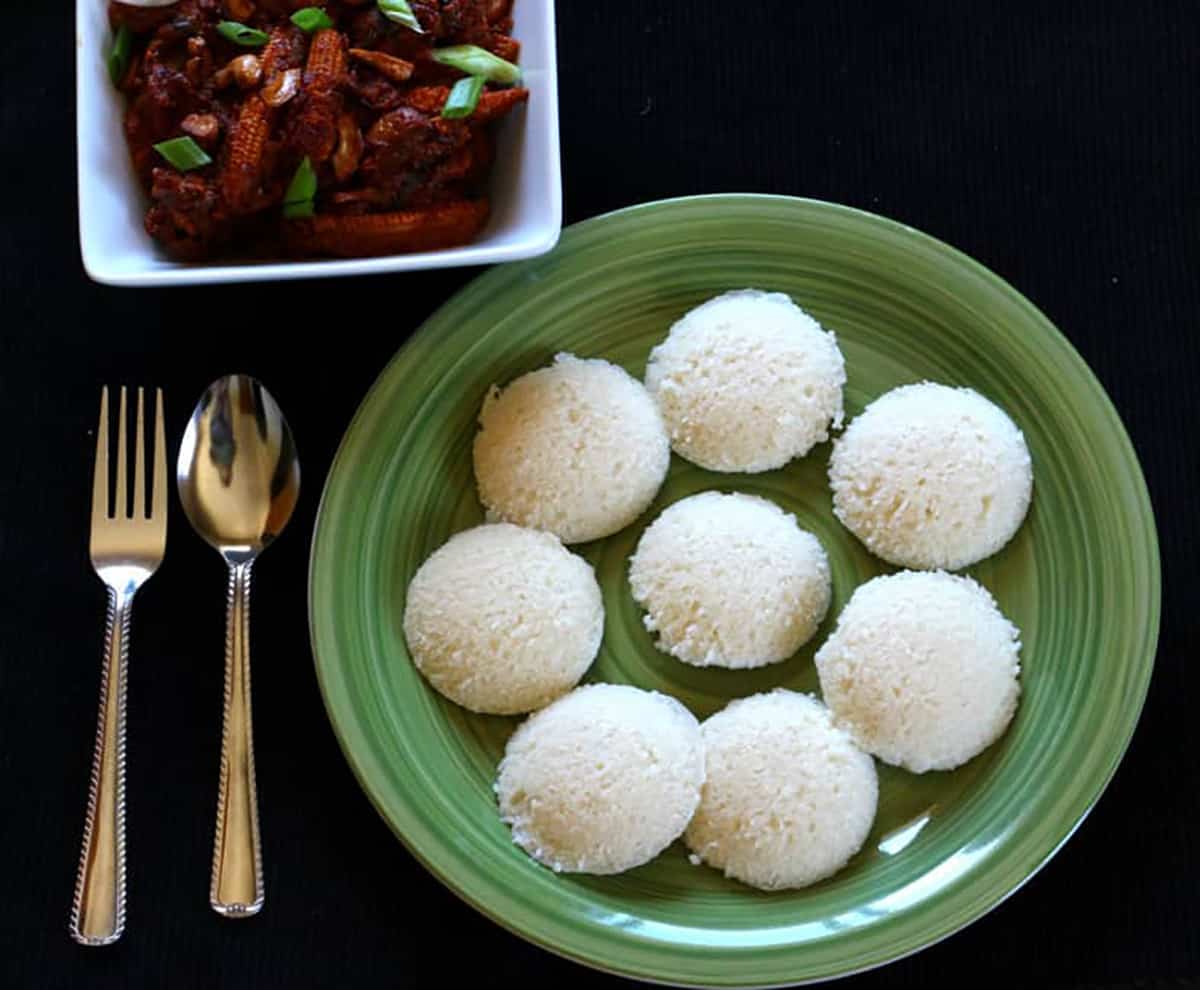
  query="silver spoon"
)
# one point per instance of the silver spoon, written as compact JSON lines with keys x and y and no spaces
{"x":238,"y":478}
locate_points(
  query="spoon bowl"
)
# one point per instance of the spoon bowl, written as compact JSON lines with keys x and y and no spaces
{"x":238,"y":473}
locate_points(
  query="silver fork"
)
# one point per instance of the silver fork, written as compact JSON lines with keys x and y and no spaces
{"x":126,"y":548}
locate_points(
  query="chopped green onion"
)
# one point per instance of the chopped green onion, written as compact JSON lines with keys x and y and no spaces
{"x":463,"y":98}
{"x":118,"y":56}
{"x":401,"y":13}
{"x":184,"y":153}
{"x":297,"y":211}
{"x":241,"y":34}
{"x":298,"y":200}
{"x":303,"y":185}
{"x":476,"y":61}
{"x":310,"y":19}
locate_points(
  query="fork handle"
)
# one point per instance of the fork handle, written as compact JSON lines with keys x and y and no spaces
{"x":98,"y":909}
{"x":236,"y":889}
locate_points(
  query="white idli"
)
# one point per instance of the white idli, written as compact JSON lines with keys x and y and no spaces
{"x":931,"y":477}
{"x":577,"y":448}
{"x":730,"y":581}
{"x":502,"y":619}
{"x":922,"y":669}
{"x":787,"y":799}
{"x":747,"y":381}
{"x":602,"y":780}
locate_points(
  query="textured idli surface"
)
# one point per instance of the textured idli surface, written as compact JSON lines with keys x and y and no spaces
{"x":602,"y":780}
{"x":730,"y":581}
{"x":578,"y":448}
{"x":922,"y":669}
{"x":502,"y":619}
{"x":747,"y":381}
{"x":788,"y":798}
{"x":931,"y":477}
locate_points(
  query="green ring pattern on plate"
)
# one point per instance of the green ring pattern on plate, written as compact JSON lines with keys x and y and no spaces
{"x":1081,"y":579}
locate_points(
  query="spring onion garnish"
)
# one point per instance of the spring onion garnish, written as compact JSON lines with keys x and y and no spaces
{"x":298,"y":211}
{"x":298,"y":200}
{"x":476,"y":61}
{"x":184,"y":153}
{"x":241,"y":34}
{"x":463,"y":98}
{"x":118,"y":56}
{"x":310,"y":19}
{"x":401,"y":13}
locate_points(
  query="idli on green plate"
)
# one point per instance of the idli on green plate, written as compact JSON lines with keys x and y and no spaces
{"x":788,"y":797}
{"x":930,"y":476}
{"x":577,"y":448}
{"x":502,"y":619}
{"x":730,"y":580}
{"x":602,"y":780}
{"x":747,"y":381}
{"x":922,"y":669}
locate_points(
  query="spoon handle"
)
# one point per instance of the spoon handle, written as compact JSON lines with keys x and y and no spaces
{"x":236,"y":890}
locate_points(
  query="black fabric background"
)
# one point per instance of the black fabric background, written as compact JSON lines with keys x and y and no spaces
{"x":1055,"y":142}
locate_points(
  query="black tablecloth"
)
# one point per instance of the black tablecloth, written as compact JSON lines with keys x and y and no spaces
{"x":1055,"y":142}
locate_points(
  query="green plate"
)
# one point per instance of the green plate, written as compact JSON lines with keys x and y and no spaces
{"x":1081,"y":579}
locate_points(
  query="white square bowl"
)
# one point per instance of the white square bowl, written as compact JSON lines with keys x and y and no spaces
{"x":526,"y":183}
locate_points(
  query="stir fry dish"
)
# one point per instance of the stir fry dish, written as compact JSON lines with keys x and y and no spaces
{"x":262,"y":128}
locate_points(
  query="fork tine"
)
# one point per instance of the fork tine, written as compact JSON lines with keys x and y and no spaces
{"x":122,"y":506}
{"x":139,"y":464}
{"x":100,"y":473}
{"x":158,"y":501}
